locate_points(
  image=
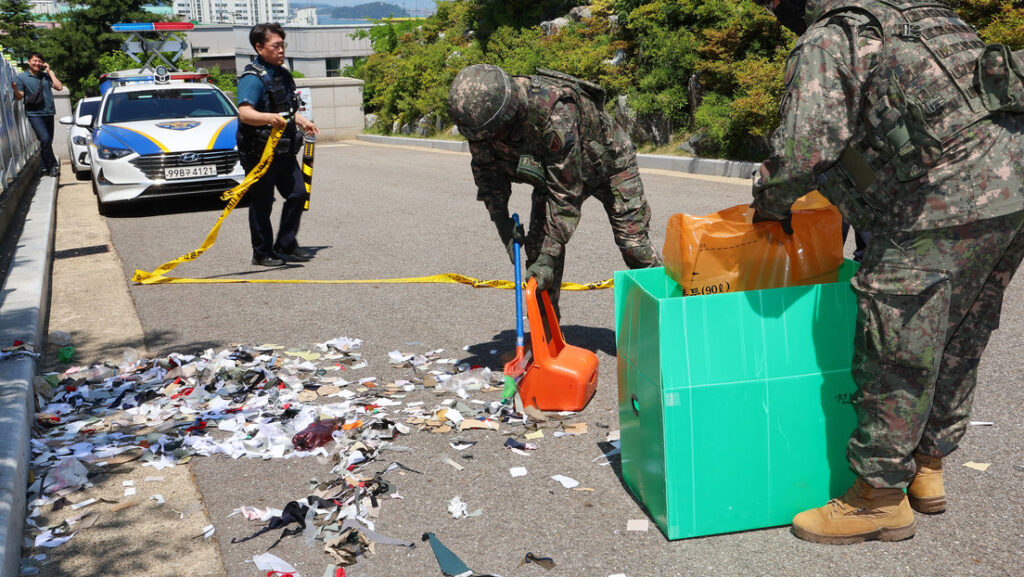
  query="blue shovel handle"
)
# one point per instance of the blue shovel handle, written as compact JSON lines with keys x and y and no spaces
{"x":519,"y":287}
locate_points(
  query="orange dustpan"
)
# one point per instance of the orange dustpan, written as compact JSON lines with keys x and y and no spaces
{"x":562,"y":377}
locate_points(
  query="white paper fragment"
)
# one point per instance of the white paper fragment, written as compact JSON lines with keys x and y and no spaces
{"x":457,"y":508}
{"x":46,"y":539}
{"x":457,"y":466}
{"x":85,"y":503}
{"x":981,"y":423}
{"x":208,"y":531}
{"x":158,"y":498}
{"x":128,"y":492}
{"x":637,"y":525}
{"x":272,"y":563}
{"x":518,"y":471}
{"x":567,"y":482}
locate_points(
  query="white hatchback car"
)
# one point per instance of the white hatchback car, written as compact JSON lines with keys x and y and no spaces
{"x":163,"y":139}
{"x":78,"y":136}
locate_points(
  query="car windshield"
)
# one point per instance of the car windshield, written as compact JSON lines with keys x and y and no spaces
{"x":89,"y":107}
{"x":166,"y":103}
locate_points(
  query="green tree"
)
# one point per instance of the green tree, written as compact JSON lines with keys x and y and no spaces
{"x":15,"y":18}
{"x":727,"y":56}
{"x":84,"y":35}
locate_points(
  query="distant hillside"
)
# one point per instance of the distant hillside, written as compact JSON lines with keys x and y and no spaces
{"x":374,"y":10}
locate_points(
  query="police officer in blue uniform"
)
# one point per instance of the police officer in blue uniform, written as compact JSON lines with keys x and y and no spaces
{"x":267,"y":100}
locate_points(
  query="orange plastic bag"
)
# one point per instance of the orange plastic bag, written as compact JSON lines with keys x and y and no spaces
{"x":726,"y":252}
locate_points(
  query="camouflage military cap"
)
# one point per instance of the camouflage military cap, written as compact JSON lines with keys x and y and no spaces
{"x":481,"y":101}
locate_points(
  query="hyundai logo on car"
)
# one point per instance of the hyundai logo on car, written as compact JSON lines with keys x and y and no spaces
{"x":189,"y":157}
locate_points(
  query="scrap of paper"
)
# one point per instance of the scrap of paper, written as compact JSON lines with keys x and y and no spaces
{"x":977,"y":466}
{"x":567,"y":482}
{"x":535,"y":435}
{"x":637,"y":525}
{"x":518,"y":471}
{"x":457,"y":466}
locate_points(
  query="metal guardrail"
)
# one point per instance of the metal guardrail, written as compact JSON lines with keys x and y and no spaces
{"x":18,"y":144}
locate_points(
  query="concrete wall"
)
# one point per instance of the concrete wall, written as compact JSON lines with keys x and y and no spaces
{"x":337,"y":106}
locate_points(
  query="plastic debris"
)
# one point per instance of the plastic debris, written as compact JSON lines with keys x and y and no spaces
{"x":449,"y":563}
{"x":265,"y":402}
{"x":272,"y":564}
{"x":317,"y":434}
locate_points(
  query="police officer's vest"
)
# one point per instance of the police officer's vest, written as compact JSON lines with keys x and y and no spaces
{"x":546,"y":89}
{"x":282,"y":100}
{"x":925,"y":90}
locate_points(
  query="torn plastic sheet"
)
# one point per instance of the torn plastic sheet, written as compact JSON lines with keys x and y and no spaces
{"x":354,"y":539}
{"x":48,"y":539}
{"x":450,"y":564}
{"x":274,"y":565}
{"x":68,"y":473}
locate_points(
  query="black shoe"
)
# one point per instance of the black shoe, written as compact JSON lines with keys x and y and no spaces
{"x":298,"y":253}
{"x":271,"y":260}
{"x":55,"y":171}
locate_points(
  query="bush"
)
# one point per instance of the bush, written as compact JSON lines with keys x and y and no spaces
{"x":712,"y":67}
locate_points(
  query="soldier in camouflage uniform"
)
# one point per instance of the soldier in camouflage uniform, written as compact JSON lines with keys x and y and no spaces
{"x":550,"y":131}
{"x":904,"y":119}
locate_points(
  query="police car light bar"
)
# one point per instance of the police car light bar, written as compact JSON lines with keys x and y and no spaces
{"x":151,"y":26}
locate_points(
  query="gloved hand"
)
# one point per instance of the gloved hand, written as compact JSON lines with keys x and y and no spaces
{"x":511,"y":233}
{"x":544,"y":271}
{"x":786,"y":222}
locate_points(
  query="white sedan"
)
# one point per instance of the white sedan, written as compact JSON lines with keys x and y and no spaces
{"x":165,"y":139}
{"x":78,"y":136}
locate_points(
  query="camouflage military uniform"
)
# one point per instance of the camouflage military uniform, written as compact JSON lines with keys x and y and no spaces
{"x":908,"y":152}
{"x":569,"y":149}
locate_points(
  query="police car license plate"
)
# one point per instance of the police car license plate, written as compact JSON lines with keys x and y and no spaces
{"x":175,"y":172}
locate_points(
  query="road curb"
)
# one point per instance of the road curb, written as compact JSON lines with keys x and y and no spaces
{"x":688,"y":164}
{"x":23,"y":315}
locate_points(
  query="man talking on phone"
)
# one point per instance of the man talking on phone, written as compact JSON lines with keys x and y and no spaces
{"x":35,"y":86}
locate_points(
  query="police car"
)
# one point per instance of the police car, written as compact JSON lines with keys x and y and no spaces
{"x":162,"y":134}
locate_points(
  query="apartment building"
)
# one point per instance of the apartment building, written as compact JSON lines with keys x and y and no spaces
{"x":242,"y":12}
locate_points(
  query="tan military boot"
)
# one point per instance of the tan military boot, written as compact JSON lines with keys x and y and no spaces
{"x":926,"y":492}
{"x":863,"y":513}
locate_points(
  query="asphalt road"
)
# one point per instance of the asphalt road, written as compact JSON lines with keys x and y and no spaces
{"x":386,"y":211}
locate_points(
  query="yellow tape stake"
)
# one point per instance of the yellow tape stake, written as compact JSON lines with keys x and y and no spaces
{"x":234,"y":196}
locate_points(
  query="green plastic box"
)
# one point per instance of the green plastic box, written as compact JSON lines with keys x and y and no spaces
{"x":735,"y":409}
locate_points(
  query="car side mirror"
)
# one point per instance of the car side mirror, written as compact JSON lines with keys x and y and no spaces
{"x":83,"y":121}
{"x":65,"y":120}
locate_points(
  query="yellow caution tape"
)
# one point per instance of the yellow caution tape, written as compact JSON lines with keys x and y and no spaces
{"x":234,"y":196}
{"x":444,"y":278}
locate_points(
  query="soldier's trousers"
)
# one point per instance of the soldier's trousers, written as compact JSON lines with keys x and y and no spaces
{"x":628,"y":212}
{"x":927,"y":303}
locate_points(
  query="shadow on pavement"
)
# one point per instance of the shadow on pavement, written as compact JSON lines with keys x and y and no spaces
{"x":592,"y":338}
{"x":167,"y":205}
